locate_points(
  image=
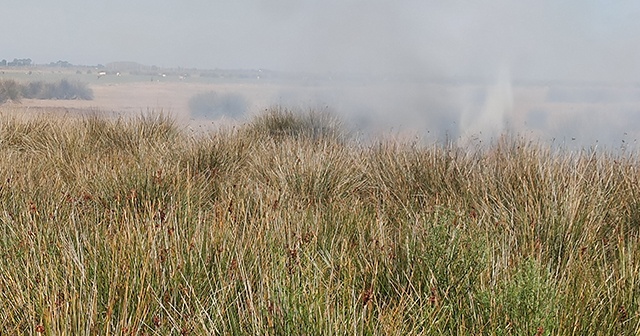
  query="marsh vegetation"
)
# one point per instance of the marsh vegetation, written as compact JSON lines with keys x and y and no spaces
{"x":63,"y":89}
{"x":287,"y":226}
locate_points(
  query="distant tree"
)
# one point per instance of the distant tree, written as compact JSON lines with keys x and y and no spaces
{"x":20,"y":62}
{"x":62,"y":64}
{"x":3,"y":62}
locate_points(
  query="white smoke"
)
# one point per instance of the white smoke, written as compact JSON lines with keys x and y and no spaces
{"x":488,"y":122}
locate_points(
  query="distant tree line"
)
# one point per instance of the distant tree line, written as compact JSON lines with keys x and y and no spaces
{"x":62,"y":64}
{"x":16,"y":62}
{"x":29,"y":62}
{"x":63,"y":89}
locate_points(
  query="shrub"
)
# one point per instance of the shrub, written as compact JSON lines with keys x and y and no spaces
{"x":9,"y":90}
{"x":213,"y":105}
{"x":63,"y":89}
{"x":33,"y":89}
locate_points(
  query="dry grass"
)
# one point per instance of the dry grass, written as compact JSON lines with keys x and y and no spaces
{"x":134,"y":227}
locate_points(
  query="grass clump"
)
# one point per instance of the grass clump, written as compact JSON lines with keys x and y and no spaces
{"x":280,"y":122}
{"x":131,"y":226}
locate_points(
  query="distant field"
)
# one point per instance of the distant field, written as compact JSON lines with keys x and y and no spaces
{"x":131,"y":94}
{"x":580,"y":115}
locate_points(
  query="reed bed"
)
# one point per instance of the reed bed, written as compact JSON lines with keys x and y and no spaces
{"x":285,"y":225}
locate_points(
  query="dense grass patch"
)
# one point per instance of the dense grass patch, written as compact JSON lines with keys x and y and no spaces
{"x":280,"y":123}
{"x":285,"y":226}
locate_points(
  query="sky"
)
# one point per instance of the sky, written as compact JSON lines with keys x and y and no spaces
{"x":574,"y":40}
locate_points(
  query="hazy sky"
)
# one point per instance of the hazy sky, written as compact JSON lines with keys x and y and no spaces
{"x":543,"y":39}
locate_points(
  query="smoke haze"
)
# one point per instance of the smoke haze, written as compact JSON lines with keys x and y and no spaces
{"x":556,"y":69}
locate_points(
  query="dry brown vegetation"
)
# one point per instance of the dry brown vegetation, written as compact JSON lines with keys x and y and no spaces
{"x":286,"y":226}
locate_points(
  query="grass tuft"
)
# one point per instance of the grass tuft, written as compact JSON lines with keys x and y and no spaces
{"x":279,"y":122}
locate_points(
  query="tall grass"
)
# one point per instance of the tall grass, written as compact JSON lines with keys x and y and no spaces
{"x":284,"y":226}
